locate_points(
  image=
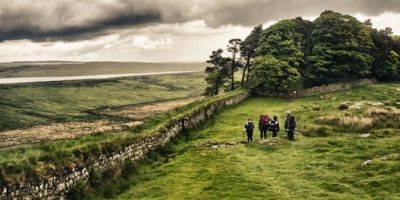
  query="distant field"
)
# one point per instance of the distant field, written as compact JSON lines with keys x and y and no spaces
{"x":41,"y":69}
{"x":30,"y":104}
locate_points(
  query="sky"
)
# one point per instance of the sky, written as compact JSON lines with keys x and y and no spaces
{"x":156,"y":30}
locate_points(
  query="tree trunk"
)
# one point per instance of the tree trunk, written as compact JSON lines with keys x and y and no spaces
{"x":246,"y":68}
{"x":233,"y":71}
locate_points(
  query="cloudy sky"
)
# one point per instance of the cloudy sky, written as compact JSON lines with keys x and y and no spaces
{"x":155,"y":30}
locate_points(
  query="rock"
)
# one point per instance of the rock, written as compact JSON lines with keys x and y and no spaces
{"x":365,"y":135}
{"x":367,"y":162}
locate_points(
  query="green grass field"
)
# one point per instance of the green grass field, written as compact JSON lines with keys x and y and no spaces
{"x":28,"y":104}
{"x":322,"y":163}
{"x":61,"y":68}
{"x":25,"y":105}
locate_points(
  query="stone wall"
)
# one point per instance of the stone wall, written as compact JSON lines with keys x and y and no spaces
{"x":56,"y":187}
{"x":315,"y":90}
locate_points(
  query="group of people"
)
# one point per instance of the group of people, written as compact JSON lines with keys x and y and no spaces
{"x":266,"y":124}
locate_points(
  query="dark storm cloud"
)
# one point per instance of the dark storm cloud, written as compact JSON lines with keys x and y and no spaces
{"x":77,"y":19}
{"x":251,"y":13}
{"x":69,"y":19}
{"x":76,"y":32}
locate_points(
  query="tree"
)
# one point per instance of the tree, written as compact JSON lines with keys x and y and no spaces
{"x":234,"y":49}
{"x":218,"y":74}
{"x":248,"y":50}
{"x":391,"y":71}
{"x":281,"y":41}
{"x":271,"y":73}
{"x":386,"y":61}
{"x":279,"y":56}
{"x":340,"y":52}
{"x":304,"y":29}
{"x":396,"y":44}
{"x":388,"y":31}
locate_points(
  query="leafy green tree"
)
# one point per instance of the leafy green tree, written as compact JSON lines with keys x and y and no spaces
{"x":278,"y":48}
{"x":386,"y":61}
{"x":233,"y":47}
{"x":396,"y":44}
{"x":218,"y":74}
{"x":304,"y":29}
{"x":272,"y":73}
{"x":248,"y":50}
{"x":340,"y":52}
{"x":281,"y":41}
{"x":396,"y":48}
{"x":390,"y":69}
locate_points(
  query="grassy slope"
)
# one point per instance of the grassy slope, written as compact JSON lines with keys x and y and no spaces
{"x":40,"y":69}
{"x":309,"y":168}
{"x":24,"y":105}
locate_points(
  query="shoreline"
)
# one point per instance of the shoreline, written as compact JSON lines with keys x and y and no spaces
{"x":86,"y":77}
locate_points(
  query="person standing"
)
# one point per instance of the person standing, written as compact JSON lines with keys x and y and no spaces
{"x":249,"y":126}
{"x":263,"y":126}
{"x":290,"y":126}
{"x":274,"y":126}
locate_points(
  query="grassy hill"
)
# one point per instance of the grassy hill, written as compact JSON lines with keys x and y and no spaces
{"x":61,"y":68}
{"x":347,"y":146}
{"x":28,"y":104}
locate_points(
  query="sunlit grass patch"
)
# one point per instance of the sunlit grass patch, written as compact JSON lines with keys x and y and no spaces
{"x":384,"y":118}
{"x":374,"y":111}
{"x":348,"y":123}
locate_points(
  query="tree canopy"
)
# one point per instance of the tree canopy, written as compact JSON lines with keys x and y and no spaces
{"x":218,"y":73}
{"x":278,"y":56}
{"x":340,"y":49}
{"x":334,"y":47}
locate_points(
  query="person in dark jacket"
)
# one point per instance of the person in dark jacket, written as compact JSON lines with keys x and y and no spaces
{"x":249,"y":126}
{"x":274,"y":126}
{"x":290,"y":126}
{"x":263,"y":126}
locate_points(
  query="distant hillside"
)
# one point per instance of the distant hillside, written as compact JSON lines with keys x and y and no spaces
{"x":61,"y":68}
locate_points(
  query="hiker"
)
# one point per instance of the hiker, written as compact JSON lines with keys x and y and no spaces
{"x":274,"y":126}
{"x":290,"y":126}
{"x":263,"y":126}
{"x":249,"y":127}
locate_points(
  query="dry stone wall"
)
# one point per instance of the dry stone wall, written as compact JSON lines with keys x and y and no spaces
{"x":333,"y":87}
{"x":314,"y":90}
{"x":56,"y":187}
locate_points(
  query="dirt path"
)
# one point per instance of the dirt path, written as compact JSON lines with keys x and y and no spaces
{"x":58,"y":131}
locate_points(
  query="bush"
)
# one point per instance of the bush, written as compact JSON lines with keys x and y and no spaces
{"x":343,"y":106}
{"x":77,"y":191}
{"x":316,"y":108}
{"x":316,"y":131}
{"x":94,"y":178}
{"x":129,"y":168}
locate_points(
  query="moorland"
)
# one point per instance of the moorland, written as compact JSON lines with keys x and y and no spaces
{"x":35,"y":112}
